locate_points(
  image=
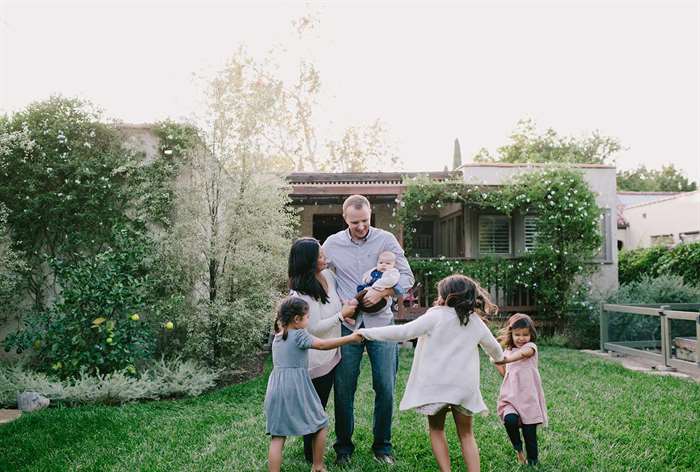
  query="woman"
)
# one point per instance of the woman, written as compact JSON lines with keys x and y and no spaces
{"x":310,"y":280}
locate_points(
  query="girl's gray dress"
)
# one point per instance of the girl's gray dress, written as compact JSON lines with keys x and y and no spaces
{"x":292,"y":406}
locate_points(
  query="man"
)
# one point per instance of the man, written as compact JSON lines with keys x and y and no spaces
{"x":352,"y":252}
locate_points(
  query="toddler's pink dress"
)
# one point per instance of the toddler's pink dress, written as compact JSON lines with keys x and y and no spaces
{"x":521,"y":391}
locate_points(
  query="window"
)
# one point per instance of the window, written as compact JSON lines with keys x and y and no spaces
{"x":530,"y":225}
{"x":689,"y":237}
{"x":662,"y":240}
{"x":494,"y":235}
{"x":606,"y":247}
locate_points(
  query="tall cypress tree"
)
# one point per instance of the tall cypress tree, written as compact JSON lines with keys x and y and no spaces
{"x":457,"y":157}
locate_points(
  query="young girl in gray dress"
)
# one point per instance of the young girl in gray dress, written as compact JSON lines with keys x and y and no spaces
{"x":292,"y":406}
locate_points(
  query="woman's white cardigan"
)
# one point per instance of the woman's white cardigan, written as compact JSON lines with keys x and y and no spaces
{"x":324,"y":323}
{"x":446,"y":362}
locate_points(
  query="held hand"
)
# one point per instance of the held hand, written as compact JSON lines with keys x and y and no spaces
{"x":372,"y":297}
{"x":503,"y":361}
{"x":357,"y":337}
{"x":348,"y":310}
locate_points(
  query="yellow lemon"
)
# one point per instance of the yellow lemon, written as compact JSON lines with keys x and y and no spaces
{"x":109,"y":340}
{"x":135,"y":317}
{"x":169,"y":325}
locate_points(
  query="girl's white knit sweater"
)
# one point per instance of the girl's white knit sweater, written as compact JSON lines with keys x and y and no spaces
{"x":446,"y":362}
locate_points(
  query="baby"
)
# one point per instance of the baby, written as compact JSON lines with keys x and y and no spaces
{"x":385,"y":275}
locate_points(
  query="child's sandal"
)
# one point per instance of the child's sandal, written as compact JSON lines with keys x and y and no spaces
{"x":521,"y":457}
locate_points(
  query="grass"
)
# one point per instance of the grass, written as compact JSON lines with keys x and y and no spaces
{"x":602,"y":418}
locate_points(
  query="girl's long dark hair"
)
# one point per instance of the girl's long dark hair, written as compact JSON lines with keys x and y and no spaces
{"x":287,"y":310}
{"x":303,"y":261}
{"x":466,"y":297}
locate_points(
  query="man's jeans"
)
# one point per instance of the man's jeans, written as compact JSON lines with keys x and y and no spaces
{"x":383,"y":357}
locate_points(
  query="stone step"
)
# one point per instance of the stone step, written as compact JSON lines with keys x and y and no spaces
{"x":9,"y":415}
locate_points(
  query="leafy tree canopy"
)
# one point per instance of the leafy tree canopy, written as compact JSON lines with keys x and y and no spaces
{"x":668,"y":179}
{"x":529,"y":145}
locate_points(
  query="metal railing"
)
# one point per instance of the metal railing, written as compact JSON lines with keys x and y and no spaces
{"x":665,"y":313}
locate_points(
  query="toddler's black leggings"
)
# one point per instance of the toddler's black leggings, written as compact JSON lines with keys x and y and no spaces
{"x":512,"y":424}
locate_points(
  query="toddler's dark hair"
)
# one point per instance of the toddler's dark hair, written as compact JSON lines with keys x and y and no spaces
{"x":517,"y":321}
{"x":466,"y":297}
{"x":287,"y":310}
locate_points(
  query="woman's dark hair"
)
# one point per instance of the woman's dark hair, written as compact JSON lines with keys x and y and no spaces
{"x":287,"y":310}
{"x":517,"y":321}
{"x":301,"y":270}
{"x":466,"y":297}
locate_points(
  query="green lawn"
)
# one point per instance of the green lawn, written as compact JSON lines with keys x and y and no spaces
{"x":602,"y":418}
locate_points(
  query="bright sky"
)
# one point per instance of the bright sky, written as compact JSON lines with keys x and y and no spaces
{"x":433,"y":71}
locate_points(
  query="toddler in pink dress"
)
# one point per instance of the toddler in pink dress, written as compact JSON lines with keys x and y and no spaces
{"x":521,"y":402}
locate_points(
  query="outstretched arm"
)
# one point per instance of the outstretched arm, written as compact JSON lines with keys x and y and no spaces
{"x":414,"y":329}
{"x":489,"y":344}
{"x":522,"y":353}
{"x":327,"y":344}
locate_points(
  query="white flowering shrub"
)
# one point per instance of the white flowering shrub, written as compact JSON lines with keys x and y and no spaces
{"x":162,"y":379}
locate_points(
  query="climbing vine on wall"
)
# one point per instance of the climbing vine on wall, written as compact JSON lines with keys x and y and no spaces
{"x":568,"y":233}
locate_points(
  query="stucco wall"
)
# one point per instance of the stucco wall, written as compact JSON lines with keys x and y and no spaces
{"x":674,"y":215}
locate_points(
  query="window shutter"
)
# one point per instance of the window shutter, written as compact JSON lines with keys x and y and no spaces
{"x":530,"y":223}
{"x":494,"y":235}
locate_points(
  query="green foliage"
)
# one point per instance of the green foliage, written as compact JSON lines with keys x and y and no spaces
{"x":633,"y":264}
{"x":64,"y":183}
{"x":527,"y":145}
{"x":224,"y":333}
{"x":568,"y":234}
{"x":158,"y":178}
{"x":682,"y":260}
{"x":99,"y":324}
{"x":12,"y":272}
{"x":162,"y":379}
{"x":668,"y":179}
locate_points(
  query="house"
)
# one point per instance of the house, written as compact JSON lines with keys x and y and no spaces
{"x":648,"y":219}
{"x":452,"y":230}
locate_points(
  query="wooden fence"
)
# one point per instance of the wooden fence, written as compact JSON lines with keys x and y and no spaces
{"x":665,"y":313}
{"x":509,"y":299}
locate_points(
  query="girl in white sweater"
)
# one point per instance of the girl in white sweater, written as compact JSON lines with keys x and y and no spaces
{"x":445,"y":372}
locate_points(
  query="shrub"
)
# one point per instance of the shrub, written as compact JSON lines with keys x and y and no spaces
{"x":65,"y":181}
{"x":99,"y":324}
{"x":173,"y":378}
{"x":12,"y":270}
{"x":224,"y":333}
{"x":682,"y":260}
{"x":634,"y":264}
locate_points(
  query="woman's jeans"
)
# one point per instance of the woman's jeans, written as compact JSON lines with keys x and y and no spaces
{"x":383,"y":357}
